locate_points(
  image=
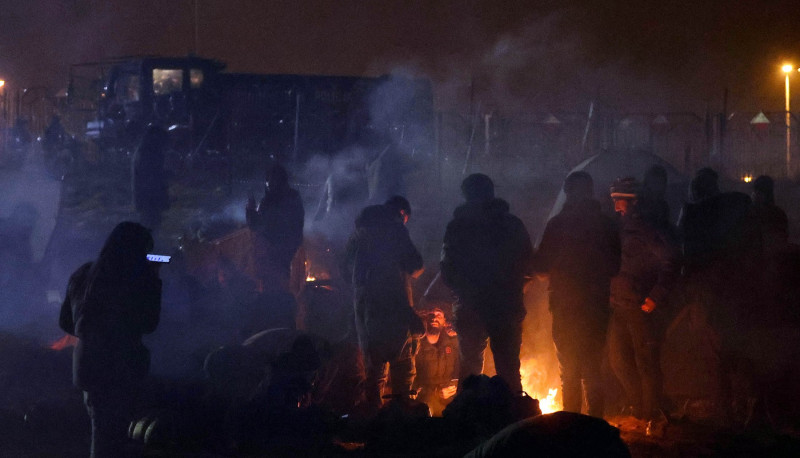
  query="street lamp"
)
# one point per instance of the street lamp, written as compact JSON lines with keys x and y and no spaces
{"x":3,"y":114}
{"x":787,"y":69}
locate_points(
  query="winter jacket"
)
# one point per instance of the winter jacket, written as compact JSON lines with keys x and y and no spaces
{"x":437,"y":364}
{"x":717,"y":229}
{"x":279,"y":219}
{"x":110,"y":351}
{"x":486,"y":252}
{"x":649,"y":265}
{"x":580,"y":249}
{"x":109,"y":305}
{"x":380,"y":260}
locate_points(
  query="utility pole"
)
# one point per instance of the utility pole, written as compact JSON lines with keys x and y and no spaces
{"x":196,"y":26}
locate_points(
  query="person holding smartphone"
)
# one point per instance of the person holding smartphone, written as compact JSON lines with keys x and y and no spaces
{"x":110,"y":304}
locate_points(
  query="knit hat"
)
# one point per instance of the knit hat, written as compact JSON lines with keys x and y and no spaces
{"x":624,"y":188}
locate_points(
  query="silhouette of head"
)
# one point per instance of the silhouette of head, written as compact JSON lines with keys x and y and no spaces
{"x":704,"y":184}
{"x":401,"y":205}
{"x":276,"y":178}
{"x":655,"y":181}
{"x":763,"y":190}
{"x":578,"y":186}
{"x":477,"y":187}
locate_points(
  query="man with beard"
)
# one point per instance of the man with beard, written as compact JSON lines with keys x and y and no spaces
{"x":485,"y":258}
{"x":649,"y":267}
{"x":580,"y":250}
{"x":437,"y":363}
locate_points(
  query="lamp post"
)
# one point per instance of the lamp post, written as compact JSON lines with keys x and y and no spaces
{"x":3,"y":114}
{"x":787,"y":69}
{"x":3,"y":99}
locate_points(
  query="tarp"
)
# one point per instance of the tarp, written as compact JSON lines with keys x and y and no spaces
{"x":610,"y":165}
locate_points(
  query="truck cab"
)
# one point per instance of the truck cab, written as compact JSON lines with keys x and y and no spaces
{"x":177,"y":93}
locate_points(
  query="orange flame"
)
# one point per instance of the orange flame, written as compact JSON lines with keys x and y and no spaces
{"x":64,"y":342}
{"x":534,"y":382}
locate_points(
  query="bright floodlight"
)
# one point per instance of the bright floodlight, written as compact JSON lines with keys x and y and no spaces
{"x":2,"y":83}
{"x":787,"y":68}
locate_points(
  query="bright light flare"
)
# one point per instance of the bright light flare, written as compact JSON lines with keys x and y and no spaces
{"x":747,"y":178}
{"x":2,"y":83}
{"x":787,"y":68}
{"x":549,"y":404}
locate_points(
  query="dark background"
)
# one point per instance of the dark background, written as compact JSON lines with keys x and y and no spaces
{"x":515,"y":56}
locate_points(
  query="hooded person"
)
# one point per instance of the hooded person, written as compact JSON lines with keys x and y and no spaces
{"x":772,"y":221}
{"x":723,"y":266}
{"x":486,"y":256}
{"x":652,"y":199}
{"x":149,"y":179}
{"x":110,"y":303}
{"x":580,"y":251}
{"x":380,"y":261}
{"x":278,"y":221}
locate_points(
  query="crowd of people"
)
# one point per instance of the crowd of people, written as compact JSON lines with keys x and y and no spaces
{"x":615,"y":282}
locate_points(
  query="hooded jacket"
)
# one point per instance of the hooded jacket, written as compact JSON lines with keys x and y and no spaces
{"x":110,"y":303}
{"x":380,"y":259}
{"x":580,"y":249}
{"x":649,"y":267}
{"x":486,"y":251}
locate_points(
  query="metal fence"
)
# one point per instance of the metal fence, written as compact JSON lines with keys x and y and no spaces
{"x":550,"y":144}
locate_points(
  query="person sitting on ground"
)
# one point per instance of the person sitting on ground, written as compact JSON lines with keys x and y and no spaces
{"x":437,"y":363}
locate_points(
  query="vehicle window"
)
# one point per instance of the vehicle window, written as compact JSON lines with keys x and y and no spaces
{"x":195,"y":78}
{"x":126,"y":88}
{"x":167,"y":80}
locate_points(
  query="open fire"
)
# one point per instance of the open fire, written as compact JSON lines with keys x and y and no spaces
{"x":535,"y":383}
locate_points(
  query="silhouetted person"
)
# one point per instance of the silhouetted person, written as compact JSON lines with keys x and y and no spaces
{"x":278,"y":221}
{"x":437,"y":363}
{"x":149,"y":179}
{"x":773,"y":224}
{"x":485,"y":257}
{"x":54,"y":134}
{"x":110,"y":303}
{"x":648,"y":270}
{"x":380,"y":261}
{"x":580,"y":250}
{"x":721,"y":249}
{"x":714,"y":225}
{"x":652,"y":203}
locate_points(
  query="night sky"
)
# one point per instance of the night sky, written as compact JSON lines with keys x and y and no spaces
{"x":512,"y":56}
